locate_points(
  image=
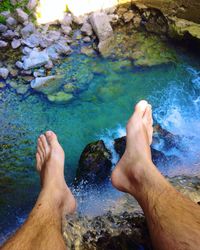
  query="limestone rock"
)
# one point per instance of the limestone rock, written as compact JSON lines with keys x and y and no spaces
{"x":35,"y":59}
{"x":62,"y":49}
{"x":4,"y":72}
{"x":3,"y":44}
{"x":21,"y":15}
{"x":16,"y":43}
{"x":67,"y":30}
{"x":19,"y":65}
{"x":11,"y":22}
{"x":28,"y":30}
{"x":3,"y":28}
{"x":32,"y":41}
{"x":86,"y":29}
{"x":67,"y":20}
{"x":101,"y":25}
{"x":9,"y":34}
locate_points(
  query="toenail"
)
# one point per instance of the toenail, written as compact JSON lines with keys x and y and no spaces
{"x":48,"y":133}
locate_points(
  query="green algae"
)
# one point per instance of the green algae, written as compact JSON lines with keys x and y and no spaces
{"x":60,"y":97}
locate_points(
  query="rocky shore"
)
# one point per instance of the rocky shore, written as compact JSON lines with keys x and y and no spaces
{"x":134,"y":31}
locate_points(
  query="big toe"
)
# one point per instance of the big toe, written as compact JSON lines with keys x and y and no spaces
{"x":51,"y":138}
{"x":140,"y":107}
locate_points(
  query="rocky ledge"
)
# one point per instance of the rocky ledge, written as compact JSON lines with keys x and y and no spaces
{"x":123,"y":226}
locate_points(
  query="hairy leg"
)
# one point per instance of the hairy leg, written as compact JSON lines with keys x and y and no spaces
{"x":173,"y":220}
{"x":42,"y":230}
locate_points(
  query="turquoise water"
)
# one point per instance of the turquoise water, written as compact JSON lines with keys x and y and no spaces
{"x":100,"y":110}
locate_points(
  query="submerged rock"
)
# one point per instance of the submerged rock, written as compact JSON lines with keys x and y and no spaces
{"x":95,"y":163}
{"x":60,"y":97}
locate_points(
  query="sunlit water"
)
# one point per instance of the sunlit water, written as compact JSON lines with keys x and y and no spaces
{"x":100,"y":111}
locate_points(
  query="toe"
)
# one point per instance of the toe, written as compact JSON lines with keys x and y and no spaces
{"x":51,"y":138}
{"x":38,"y":162}
{"x":140,"y":108}
{"x":45,"y":145}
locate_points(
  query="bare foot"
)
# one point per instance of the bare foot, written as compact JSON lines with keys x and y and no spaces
{"x":131,"y":170}
{"x":50,"y":165}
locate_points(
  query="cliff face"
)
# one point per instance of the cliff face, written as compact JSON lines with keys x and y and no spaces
{"x":184,"y":9}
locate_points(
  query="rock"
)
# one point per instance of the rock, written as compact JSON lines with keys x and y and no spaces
{"x":54,"y":35}
{"x":3,"y":44}
{"x":101,"y":26}
{"x":39,"y":73}
{"x":45,"y":41}
{"x":88,"y":51}
{"x":2,"y":85}
{"x":9,"y":34}
{"x":86,"y":29}
{"x":13,"y":72}
{"x":4,"y":72}
{"x":47,"y":85}
{"x":21,"y":15}
{"x":67,"y":30}
{"x":62,"y":49}
{"x":69,"y":88}
{"x":137,"y":21}
{"x":87,"y":39}
{"x":32,"y":4}
{"x":26,"y":50}
{"x":28,"y":30}
{"x":60,"y":97}
{"x":49,"y":65}
{"x":22,"y":89}
{"x":26,"y":72}
{"x":95,"y":163}
{"x":67,"y":20}
{"x":35,"y":59}
{"x":121,"y":10}
{"x":113,"y":18}
{"x":32,"y":41}
{"x":16,"y":43}
{"x":5,"y":14}
{"x":11,"y":22}
{"x":128,"y":16}
{"x":3,"y":28}
{"x":19,"y":65}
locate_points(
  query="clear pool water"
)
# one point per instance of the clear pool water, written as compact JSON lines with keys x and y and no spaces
{"x":100,"y":110}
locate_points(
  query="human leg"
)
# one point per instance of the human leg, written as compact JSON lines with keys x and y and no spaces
{"x":173,"y":220}
{"x":42,"y":230}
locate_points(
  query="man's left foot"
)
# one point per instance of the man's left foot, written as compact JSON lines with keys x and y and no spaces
{"x":50,"y":165}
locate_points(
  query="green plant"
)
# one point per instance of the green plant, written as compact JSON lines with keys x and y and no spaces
{"x":2,"y":20}
{"x":67,"y":8}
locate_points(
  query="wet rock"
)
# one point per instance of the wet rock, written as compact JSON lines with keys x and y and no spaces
{"x":3,"y":44}
{"x":16,"y":43}
{"x":48,"y":85}
{"x":35,"y":59}
{"x":86,"y":29}
{"x":69,"y":88}
{"x":4,"y":72}
{"x":60,"y":97}
{"x":11,"y":22}
{"x":62,"y":49}
{"x":95,"y":163}
{"x":3,"y":28}
{"x":88,"y":51}
{"x":49,"y":65}
{"x":22,"y":89}
{"x":21,"y":15}
{"x":28,"y":30}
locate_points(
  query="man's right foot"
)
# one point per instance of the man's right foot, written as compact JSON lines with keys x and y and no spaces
{"x":129,"y":173}
{"x":50,"y":165}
